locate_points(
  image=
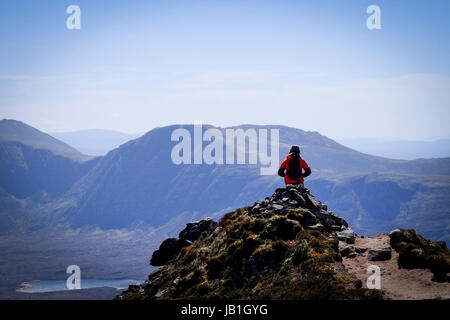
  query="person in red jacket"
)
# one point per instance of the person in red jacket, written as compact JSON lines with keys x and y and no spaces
{"x":294,"y":168}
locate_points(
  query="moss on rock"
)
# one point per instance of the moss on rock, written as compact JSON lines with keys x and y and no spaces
{"x":418,"y":252}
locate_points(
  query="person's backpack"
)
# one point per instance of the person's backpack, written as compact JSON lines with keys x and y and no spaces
{"x":294,"y":172}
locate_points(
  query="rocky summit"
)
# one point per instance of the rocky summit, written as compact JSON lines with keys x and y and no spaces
{"x":287,"y":246}
{"x":283,"y":247}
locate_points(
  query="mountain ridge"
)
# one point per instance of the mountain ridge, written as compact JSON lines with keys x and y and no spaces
{"x":145,"y":165}
{"x":121,"y":181}
{"x":17,"y":131}
{"x":27,"y":171}
{"x":95,"y":142}
{"x":400,"y":149}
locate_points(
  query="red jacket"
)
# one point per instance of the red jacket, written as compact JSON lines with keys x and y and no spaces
{"x":285,"y":166}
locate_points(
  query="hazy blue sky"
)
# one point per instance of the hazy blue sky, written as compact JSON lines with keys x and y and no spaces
{"x":138,"y":64}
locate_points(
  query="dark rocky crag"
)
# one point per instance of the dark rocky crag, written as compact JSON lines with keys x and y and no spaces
{"x":288,"y":246}
{"x":283,"y":247}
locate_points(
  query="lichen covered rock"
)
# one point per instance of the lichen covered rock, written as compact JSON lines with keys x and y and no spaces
{"x":418,"y":252}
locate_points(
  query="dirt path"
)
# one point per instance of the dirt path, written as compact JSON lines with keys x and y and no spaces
{"x":398,"y":283}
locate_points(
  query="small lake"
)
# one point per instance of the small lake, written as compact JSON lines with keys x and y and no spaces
{"x":60,"y":285}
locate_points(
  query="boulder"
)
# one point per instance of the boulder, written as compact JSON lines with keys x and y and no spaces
{"x":278,"y":207}
{"x":307,"y":220}
{"x":297,"y":187}
{"x":312,"y":202}
{"x":169,"y":249}
{"x":379,"y":254}
{"x":394,"y":231}
{"x":325,"y":218}
{"x":336,"y":227}
{"x":266,"y":214}
{"x":345,"y":249}
{"x":408,"y":236}
{"x":352,"y":255}
{"x":360,"y":249}
{"x":193,"y":230}
{"x":347,"y":235}
{"x":256,"y":209}
{"x":338,"y":220}
{"x":294,"y":195}
{"x":280,"y":190}
{"x":416,"y":251}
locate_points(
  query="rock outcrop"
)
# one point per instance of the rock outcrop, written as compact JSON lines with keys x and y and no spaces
{"x":282,"y":247}
{"x":287,"y":246}
{"x":193,"y":230}
{"x":171,"y":248}
{"x":418,"y":252}
{"x":347,"y":236}
{"x":297,"y":203}
{"x":379,"y":254}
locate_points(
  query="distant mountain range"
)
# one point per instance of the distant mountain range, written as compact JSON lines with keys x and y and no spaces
{"x":45,"y":183}
{"x":99,"y":142}
{"x":400,"y":149}
{"x":137,"y":183}
{"x":95,"y":142}
{"x":140,"y":179}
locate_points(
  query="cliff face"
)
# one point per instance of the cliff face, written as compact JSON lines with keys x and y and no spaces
{"x":284,"y":247}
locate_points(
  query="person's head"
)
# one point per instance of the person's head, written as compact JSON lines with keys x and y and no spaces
{"x":295,"y":149}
